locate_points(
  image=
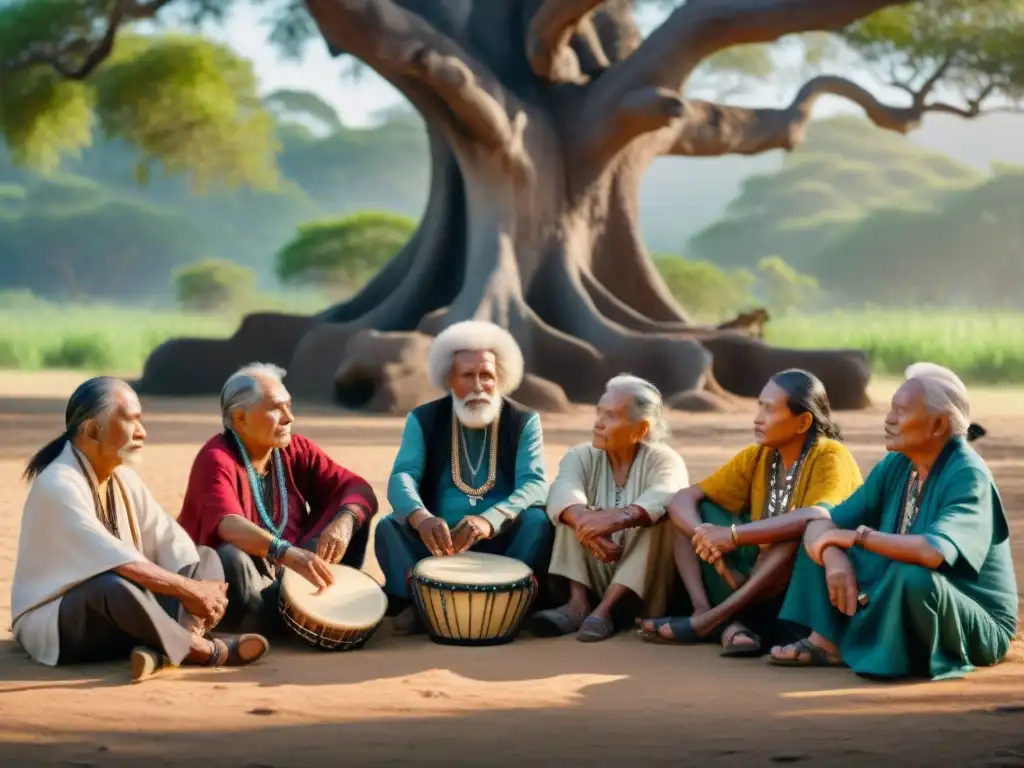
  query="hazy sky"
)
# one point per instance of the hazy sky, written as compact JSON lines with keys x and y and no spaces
{"x":358,"y":101}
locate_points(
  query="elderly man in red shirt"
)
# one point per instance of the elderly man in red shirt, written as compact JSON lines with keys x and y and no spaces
{"x":266,"y":499}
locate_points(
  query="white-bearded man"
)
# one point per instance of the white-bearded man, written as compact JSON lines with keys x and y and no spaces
{"x":492,"y":498}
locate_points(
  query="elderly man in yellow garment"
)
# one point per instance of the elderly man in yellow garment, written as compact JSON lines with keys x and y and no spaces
{"x":608,"y":493}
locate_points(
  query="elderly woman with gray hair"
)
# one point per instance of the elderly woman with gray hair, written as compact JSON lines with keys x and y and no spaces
{"x":608,"y":493}
{"x":912,"y":575}
{"x":267,"y":499}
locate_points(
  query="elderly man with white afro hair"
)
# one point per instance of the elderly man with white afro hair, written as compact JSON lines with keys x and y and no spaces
{"x":912,"y":575}
{"x":470,"y":472}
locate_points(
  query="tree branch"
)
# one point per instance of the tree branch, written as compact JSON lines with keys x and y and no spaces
{"x":396,"y":42}
{"x":701,"y":28}
{"x":90,"y":54}
{"x":707,"y":129}
{"x":549,"y":36}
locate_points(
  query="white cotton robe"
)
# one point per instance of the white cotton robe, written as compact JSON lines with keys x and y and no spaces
{"x":63,"y":544}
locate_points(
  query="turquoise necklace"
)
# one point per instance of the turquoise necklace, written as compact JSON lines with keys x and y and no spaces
{"x":257,"y":489}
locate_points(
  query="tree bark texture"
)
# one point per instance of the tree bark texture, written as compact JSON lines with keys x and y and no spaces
{"x":543,"y":116}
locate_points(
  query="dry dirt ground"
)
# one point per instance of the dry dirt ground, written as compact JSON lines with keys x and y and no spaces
{"x":405,"y":700}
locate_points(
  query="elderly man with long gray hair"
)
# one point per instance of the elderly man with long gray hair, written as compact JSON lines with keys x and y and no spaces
{"x":469,"y":474}
{"x":912,"y":575}
{"x":607,"y":494}
{"x":267,"y":499}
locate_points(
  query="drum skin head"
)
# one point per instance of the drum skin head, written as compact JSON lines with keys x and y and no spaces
{"x":354,"y":600}
{"x":472,"y":569}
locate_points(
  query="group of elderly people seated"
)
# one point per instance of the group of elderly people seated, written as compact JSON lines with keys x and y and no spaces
{"x":784,"y":550}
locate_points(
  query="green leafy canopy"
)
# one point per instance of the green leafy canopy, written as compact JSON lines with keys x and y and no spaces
{"x":70,"y":68}
{"x":184,"y":101}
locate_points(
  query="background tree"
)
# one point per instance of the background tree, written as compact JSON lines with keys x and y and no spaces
{"x":213,"y":284}
{"x":342,"y":254}
{"x":711,"y":293}
{"x":783,"y":287}
{"x":538,"y":140}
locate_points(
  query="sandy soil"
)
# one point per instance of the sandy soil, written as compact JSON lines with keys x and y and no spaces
{"x":405,"y":700}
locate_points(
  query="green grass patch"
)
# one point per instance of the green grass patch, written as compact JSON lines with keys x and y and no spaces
{"x":982,"y":347}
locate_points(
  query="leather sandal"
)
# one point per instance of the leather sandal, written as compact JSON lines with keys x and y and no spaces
{"x":238,"y":651}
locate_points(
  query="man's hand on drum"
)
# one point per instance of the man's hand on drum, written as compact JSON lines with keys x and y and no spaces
{"x":469,"y":531}
{"x":309,"y":565}
{"x":436,"y":537}
{"x":335,"y":538}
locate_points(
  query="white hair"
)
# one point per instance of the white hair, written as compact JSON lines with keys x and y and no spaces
{"x":646,"y":404}
{"x":944,"y":393}
{"x":476,"y":336}
{"x":244,"y":389}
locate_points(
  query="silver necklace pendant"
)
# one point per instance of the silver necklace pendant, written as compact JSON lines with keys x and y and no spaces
{"x":472,"y":500}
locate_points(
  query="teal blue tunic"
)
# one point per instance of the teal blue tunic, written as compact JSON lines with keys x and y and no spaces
{"x":941,"y":623}
{"x":503,"y":503}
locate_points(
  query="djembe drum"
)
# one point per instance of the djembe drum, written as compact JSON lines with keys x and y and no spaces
{"x":472,"y":598}
{"x":342,"y":617}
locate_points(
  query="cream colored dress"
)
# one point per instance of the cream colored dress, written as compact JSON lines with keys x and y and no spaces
{"x":585,"y":477}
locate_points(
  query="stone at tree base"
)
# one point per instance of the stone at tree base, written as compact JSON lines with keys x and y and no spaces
{"x":699,"y":401}
{"x":742,"y":366}
{"x":671,"y":365}
{"x":384,"y":372}
{"x":193,"y":366}
{"x":541,"y":395}
{"x":314,"y":363}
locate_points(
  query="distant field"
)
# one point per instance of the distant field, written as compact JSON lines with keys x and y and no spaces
{"x":985,"y":348}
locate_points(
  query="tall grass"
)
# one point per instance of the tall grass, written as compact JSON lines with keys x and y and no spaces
{"x":984,"y":347}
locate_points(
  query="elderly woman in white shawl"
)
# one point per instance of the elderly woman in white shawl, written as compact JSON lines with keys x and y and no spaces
{"x":102,"y":572}
{"x":607,"y":495}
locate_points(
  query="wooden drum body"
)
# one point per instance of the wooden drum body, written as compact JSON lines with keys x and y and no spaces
{"x":342,"y":617}
{"x":472,"y":598}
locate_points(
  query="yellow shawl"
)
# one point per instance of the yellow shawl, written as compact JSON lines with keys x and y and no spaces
{"x":829,"y":475}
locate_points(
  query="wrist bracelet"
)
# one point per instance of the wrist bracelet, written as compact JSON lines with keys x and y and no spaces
{"x":277,"y":549}
{"x":735,"y":535}
{"x":862,"y":534}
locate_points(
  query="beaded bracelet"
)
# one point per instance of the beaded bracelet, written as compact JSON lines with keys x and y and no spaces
{"x":277,"y":549}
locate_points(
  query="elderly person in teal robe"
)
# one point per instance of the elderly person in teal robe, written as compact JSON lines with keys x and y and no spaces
{"x":912,"y":576}
{"x":470,"y":472}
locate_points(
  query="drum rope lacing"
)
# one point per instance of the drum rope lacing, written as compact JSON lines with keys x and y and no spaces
{"x":525,"y":590}
{"x":475,"y":494}
{"x":257,"y":488}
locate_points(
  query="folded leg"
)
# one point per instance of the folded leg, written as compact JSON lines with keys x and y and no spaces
{"x":103,"y":618}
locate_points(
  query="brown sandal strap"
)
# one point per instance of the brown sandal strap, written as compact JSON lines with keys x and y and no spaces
{"x":220,"y":655}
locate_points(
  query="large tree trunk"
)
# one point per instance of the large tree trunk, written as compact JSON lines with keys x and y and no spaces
{"x":543,"y":117}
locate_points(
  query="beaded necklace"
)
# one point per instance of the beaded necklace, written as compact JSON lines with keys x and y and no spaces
{"x":911,"y":504}
{"x":108,"y":516}
{"x":257,"y":488}
{"x":475,"y":494}
{"x":779,"y":499}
